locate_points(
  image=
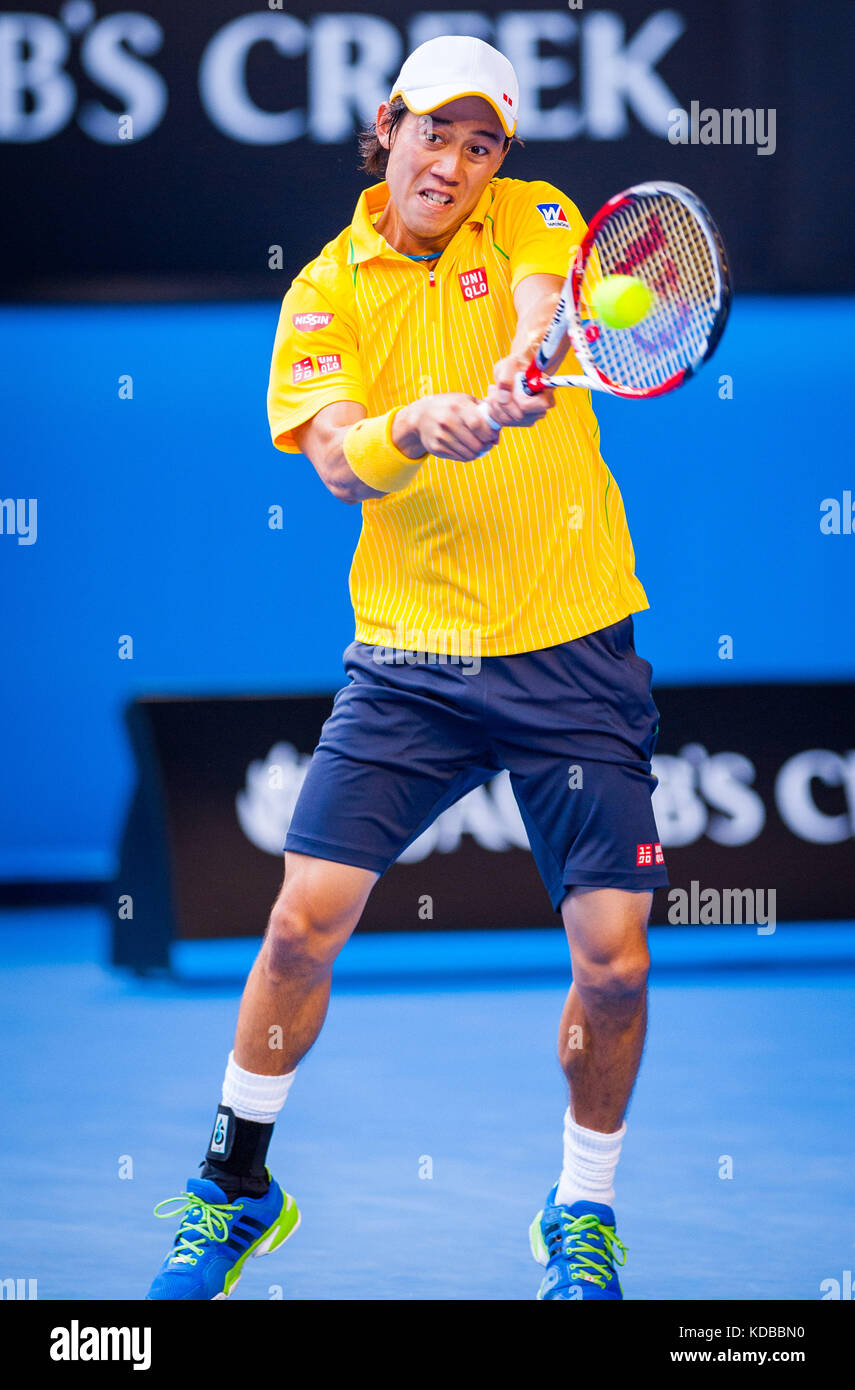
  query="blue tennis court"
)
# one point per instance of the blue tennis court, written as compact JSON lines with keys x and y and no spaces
{"x":365,"y":220}
{"x":437,"y":1057}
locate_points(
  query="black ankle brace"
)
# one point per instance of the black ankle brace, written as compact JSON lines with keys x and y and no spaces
{"x":236,"y":1153}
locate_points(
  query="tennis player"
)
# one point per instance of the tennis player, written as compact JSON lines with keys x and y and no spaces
{"x":512,"y":545}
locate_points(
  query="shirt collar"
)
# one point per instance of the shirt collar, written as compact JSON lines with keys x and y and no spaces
{"x":366,"y":243}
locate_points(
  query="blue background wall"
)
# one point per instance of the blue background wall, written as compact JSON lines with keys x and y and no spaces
{"x":152,"y":517}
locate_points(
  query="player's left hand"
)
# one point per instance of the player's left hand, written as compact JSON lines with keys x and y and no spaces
{"x":507,"y":404}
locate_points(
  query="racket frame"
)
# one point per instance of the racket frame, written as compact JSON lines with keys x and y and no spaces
{"x":718,"y":256}
{"x":566,"y":320}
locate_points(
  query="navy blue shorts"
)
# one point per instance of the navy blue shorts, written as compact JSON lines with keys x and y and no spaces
{"x":575,"y":726}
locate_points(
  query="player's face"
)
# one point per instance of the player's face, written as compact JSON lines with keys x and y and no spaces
{"x":439,"y":165}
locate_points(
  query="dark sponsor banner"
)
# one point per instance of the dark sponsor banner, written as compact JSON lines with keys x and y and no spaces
{"x":210,"y":149}
{"x":755,"y":809}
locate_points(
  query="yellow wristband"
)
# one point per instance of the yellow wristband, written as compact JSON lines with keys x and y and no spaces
{"x":373,"y":457}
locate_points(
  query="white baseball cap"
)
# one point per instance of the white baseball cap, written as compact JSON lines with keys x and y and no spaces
{"x":454,"y":66}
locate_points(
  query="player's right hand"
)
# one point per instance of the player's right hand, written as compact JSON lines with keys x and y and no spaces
{"x":452,"y":426}
{"x":507,"y":404}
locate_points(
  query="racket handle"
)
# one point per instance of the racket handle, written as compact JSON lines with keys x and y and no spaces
{"x":482,"y":406}
{"x":524,"y":382}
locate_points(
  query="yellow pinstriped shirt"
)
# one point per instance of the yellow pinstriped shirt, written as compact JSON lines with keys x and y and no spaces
{"x":519,"y":550}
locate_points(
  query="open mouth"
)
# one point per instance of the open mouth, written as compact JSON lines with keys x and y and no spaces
{"x":434,"y":198}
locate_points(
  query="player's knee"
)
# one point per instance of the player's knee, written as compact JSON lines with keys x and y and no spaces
{"x":620,"y":980}
{"x":297,"y":941}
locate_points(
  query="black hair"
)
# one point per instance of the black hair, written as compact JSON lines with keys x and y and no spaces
{"x":374,"y":157}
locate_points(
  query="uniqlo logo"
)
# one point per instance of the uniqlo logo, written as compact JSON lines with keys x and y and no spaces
{"x":474,"y":283}
{"x":644,"y":855}
{"x":328,"y":362}
{"x":657,"y":854}
{"x":302,"y":370}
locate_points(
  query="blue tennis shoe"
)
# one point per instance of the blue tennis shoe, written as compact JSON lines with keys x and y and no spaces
{"x":216,"y":1237}
{"x":580,"y":1248}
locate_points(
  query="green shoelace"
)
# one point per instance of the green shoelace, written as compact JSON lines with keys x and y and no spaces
{"x":595,"y":1271}
{"x":212,"y":1224}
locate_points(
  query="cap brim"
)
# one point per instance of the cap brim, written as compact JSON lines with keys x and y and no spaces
{"x":423,"y":100}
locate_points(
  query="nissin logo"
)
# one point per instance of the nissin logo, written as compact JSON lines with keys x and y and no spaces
{"x":310,"y":323}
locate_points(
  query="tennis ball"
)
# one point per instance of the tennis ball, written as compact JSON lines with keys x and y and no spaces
{"x":621,"y":300}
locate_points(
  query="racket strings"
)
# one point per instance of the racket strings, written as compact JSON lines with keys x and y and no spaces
{"x":657,"y":239}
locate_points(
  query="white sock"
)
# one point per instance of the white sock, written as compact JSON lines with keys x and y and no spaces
{"x":590,"y":1161}
{"x":255,"y":1097}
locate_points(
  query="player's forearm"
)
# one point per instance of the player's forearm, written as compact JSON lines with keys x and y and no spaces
{"x":377,"y":455}
{"x":338,"y":477}
{"x":340,"y":458}
{"x":531,"y":326}
{"x":360,"y":457}
{"x":321,"y":439}
{"x":343,"y":482}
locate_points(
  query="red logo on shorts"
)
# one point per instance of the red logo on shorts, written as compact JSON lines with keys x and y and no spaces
{"x":646,"y":855}
{"x":302,"y":370}
{"x":328,"y":362}
{"x":474,"y":283}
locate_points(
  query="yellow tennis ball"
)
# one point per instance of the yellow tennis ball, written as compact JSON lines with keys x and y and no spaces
{"x":621,"y":301}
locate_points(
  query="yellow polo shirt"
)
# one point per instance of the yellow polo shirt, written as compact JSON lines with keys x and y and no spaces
{"x":519,"y":550}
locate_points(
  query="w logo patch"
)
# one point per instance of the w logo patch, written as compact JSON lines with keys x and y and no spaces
{"x":553,"y":215}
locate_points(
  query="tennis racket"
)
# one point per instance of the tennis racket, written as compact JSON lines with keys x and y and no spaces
{"x":662,"y":235}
